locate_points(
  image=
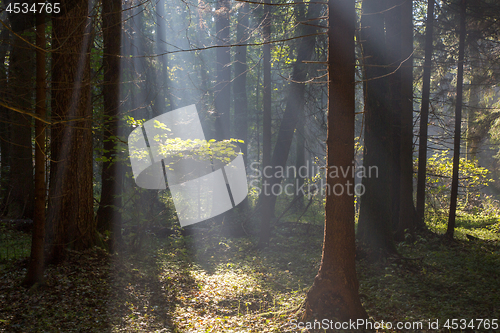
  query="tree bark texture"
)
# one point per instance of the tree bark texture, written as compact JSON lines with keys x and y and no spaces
{"x":71,"y":215}
{"x":334,"y":293}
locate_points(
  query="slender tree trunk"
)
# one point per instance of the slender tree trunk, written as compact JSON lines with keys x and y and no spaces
{"x":374,"y":226}
{"x":108,"y":215}
{"x":299,"y":139}
{"x":164,"y":94}
{"x":4,"y":127}
{"x":267,"y":89}
{"x":474,"y":133}
{"x":257,"y":113}
{"x":300,"y":161}
{"x":458,"y":123}
{"x":222,"y":89}
{"x":240,"y":80}
{"x":36,"y":264}
{"x":21,"y":186}
{"x":266,"y":213}
{"x":70,"y":214}
{"x":407,"y":219}
{"x":424,"y":114}
{"x":334,"y":293}
{"x":240,"y":86}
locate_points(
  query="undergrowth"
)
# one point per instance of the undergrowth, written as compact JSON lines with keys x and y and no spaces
{"x":210,"y":283}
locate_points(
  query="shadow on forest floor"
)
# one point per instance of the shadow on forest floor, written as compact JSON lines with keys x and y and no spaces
{"x":211,"y":283}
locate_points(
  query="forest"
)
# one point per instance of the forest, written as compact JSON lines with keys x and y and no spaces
{"x":249,"y":166}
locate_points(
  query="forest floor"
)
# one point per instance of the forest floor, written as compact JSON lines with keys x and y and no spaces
{"x":208,"y":283}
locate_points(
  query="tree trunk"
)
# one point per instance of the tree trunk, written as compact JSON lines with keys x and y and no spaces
{"x":240,"y":80}
{"x":393,"y":25}
{"x":374,"y":226}
{"x":70,"y":212}
{"x":240,"y":86}
{"x":108,"y":215}
{"x":4,"y":120}
{"x":424,"y":114}
{"x":476,"y":129}
{"x":267,"y":88}
{"x":164,"y":94}
{"x":334,"y":293}
{"x":222,"y":88}
{"x":407,"y":221}
{"x":458,"y":123}
{"x":295,"y":102}
{"x":36,"y":264}
{"x":300,"y":162}
{"x":266,"y":213}
{"x":21,"y":187}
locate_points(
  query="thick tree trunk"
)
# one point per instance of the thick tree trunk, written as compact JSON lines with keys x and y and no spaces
{"x":21,"y":186}
{"x":424,"y":115}
{"x":70,"y":212}
{"x":37,"y":262}
{"x":108,"y":215}
{"x":458,"y":123}
{"x":374,"y":226}
{"x":334,"y":293}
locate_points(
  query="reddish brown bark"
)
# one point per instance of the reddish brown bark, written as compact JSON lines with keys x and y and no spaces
{"x":334,"y":293}
{"x":71,"y":215}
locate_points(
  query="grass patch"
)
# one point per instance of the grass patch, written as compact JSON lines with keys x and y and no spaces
{"x":483,"y":227}
{"x":14,"y":244}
